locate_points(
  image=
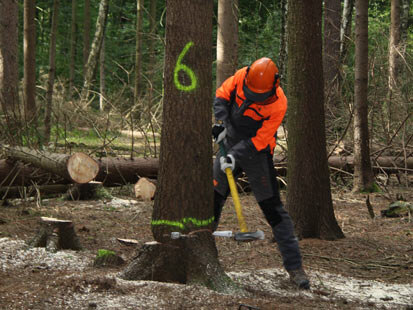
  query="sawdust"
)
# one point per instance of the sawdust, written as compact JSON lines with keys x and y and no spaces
{"x":371,"y":268}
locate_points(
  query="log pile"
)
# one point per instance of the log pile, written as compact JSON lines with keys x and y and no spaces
{"x":45,"y":172}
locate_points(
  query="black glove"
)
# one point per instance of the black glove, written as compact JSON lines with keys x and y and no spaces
{"x":218,"y":132}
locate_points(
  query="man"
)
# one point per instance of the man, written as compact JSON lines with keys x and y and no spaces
{"x":249,"y":107}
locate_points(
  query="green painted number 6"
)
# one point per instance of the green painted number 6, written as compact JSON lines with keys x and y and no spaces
{"x":180,"y":66}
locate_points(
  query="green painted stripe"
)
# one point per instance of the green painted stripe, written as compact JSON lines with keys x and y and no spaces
{"x":182,"y":223}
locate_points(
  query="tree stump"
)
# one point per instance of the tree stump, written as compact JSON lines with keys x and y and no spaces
{"x":189,"y":260}
{"x":85,"y":191}
{"x":55,"y":234}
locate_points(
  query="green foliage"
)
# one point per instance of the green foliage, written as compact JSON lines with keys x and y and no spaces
{"x":103,"y":253}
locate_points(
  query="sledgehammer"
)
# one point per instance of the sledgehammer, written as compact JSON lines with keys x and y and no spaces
{"x":244,"y":235}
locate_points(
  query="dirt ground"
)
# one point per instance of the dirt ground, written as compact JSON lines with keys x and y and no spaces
{"x":377,"y":254}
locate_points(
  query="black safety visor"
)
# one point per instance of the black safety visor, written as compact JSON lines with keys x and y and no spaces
{"x":257,"y":97}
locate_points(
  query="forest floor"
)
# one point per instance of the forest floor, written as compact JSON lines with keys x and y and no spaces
{"x":371,"y":268}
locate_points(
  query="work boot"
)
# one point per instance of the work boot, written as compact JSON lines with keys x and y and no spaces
{"x":299,"y":278}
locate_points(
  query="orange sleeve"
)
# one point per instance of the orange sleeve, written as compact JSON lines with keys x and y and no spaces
{"x":266,"y":134}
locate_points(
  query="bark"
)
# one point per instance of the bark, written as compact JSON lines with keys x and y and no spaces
{"x":93,"y":58}
{"x":118,"y":171}
{"x":86,"y":34}
{"x":309,"y":198}
{"x":187,"y":208}
{"x":102,"y":77}
{"x":166,"y":262}
{"x":345,"y":31}
{"x":77,"y":168}
{"x":227,"y":40}
{"x":55,"y":234}
{"x":9,"y":94}
{"x":363,"y":174}
{"x":52,"y":72}
{"x":29,"y":55}
{"x":138,"y":52}
{"x":19,"y":174}
{"x":394,"y":46}
{"x":72,"y":50}
{"x":331,"y":55}
{"x":151,"y":43}
{"x":283,"y":54}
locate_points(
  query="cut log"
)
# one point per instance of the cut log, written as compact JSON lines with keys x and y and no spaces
{"x":145,"y":189}
{"x":119,"y":171}
{"x":55,"y":234}
{"x":78,"y":167}
{"x":8,"y":192}
{"x":14,"y":173}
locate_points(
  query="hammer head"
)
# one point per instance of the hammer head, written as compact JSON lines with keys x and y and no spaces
{"x":249,"y":236}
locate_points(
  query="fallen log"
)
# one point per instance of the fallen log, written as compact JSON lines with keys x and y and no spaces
{"x":14,"y":173}
{"x":119,"y":171}
{"x":8,"y":192}
{"x":77,"y":168}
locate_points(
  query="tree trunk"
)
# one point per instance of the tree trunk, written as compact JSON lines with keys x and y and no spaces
{"x":331,"y":55}
{"x":29,"y":80}
{"x":186,"y":208}
{"x":345,"y":29}
{"x":52,"y":71}
{"x":86,"y":35}
{"x":308,"y":195}
{"x":77,"y":168}
{"x":227,"y":40}
{"x":394,"y":46}
{"x":9,"y":92}
{"x":73,"y":40}
{"x":283,"y":54}
{"x":151,"y":43}
{"x":138,"y":52}
{"x":102,"y":77}
{"x":93,"y":58}
{"x":363,"y":174}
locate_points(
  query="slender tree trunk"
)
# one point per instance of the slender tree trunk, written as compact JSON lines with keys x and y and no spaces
{"x":331,"y":55}
{"x":363,"y":174}
{"x":52,"y":71}
{"x":73,"y":39}
{"x":345,"y":31}
{"x":309,"y":195}
{"x":227,"y":40}
{"x":9,"y":92}
{"x":138,"y":52}
{"x":29,"y":81}
{"x":102,"y":77}
{"x":86,"y":34}
{"x":283,"y":54}
{"x":94,"y":54}
{"x":394,"y":45}
{"x":186,"y":208}
{"x":152,"y":41}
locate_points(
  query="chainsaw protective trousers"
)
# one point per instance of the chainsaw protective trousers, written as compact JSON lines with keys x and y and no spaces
{"x":287,"y":241}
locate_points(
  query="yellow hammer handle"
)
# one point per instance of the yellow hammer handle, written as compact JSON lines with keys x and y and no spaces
{"x":235,"y":198}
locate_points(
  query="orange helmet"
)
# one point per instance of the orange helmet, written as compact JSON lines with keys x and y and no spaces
{"x":261,"y":80}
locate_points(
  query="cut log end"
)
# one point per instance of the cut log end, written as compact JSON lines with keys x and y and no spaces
{"x":82,"y":168}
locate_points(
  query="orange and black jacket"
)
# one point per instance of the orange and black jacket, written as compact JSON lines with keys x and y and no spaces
{"x":251,"y":126}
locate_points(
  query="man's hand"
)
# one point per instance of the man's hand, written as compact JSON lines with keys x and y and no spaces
{"x":227,"y":162}
{"x":218,"y":132}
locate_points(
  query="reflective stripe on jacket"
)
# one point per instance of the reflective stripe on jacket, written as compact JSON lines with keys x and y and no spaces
{"x":251,"y":126}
